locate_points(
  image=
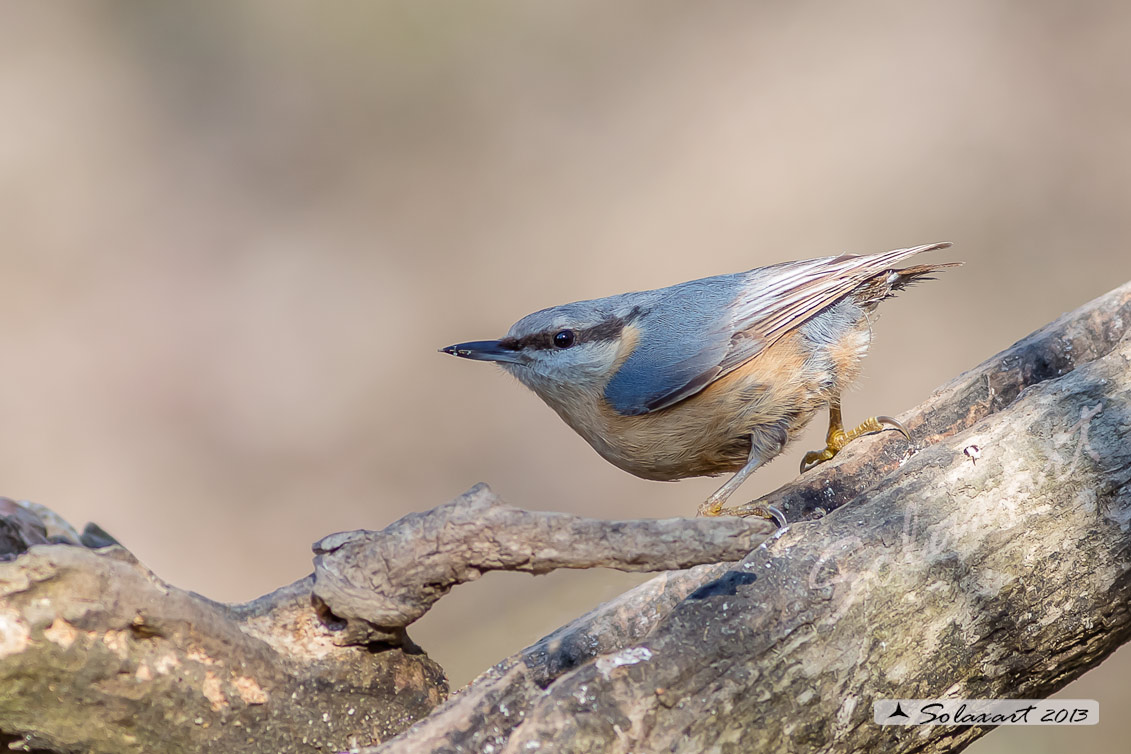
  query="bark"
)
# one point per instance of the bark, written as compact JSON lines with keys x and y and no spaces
{"x":991,"y":559}
{"x":379,"y":582}
{"x":98,"y":655}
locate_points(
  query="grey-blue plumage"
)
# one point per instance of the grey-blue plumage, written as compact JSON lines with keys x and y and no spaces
{"x":712,"y":375}
{"x":683,"y":338}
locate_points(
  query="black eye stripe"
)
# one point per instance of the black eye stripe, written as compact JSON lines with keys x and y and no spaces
{"x":534,"y":341}
{"x":608,"y":330}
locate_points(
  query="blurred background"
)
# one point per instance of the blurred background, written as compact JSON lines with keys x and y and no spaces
{"x":233,"y":235}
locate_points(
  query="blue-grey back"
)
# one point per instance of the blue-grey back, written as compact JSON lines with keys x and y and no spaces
{"x":684,"y":334}
{"x":688,"y":335}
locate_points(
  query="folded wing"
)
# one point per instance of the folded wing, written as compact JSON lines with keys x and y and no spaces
{"x":702,"y":330}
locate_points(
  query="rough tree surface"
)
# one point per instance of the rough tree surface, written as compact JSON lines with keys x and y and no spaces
{"x":98,"y":655}
{"x":377,"y":582}
{"x":989,"y":560}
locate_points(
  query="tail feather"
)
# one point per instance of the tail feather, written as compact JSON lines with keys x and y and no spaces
{"x":918,"y":273}
{"x":886,"y":284}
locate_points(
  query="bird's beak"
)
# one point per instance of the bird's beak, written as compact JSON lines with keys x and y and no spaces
{"x":483,"y":350}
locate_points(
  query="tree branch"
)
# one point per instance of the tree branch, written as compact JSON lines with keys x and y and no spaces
{"x":379,"y":582}
{"x":324,"y":662}
{"x":98,"y":655}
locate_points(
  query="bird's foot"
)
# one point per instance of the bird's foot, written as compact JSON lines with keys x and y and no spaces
{"x":838,"y":438}
{"x":753,"y":508}
{"x":711,"y":508}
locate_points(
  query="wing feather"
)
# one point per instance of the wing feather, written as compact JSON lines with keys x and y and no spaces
{"x":697,"y":332}
{"x":795,"y":291}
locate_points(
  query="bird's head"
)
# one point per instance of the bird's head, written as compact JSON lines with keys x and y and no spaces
{"x":564,"y":352}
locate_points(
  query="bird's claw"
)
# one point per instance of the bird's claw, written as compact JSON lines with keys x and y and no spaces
{"x":838,"y":438}
{"x":894,"y":424}
{"x":768,"y":512}
{"x":816,"y":457}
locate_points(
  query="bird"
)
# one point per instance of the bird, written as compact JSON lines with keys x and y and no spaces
{"x":710,"y":376}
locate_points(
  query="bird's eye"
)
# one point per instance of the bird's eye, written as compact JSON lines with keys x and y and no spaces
{"x":563,"y":338}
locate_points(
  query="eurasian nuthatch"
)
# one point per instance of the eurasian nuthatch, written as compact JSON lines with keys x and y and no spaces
{"x":710,"y":376}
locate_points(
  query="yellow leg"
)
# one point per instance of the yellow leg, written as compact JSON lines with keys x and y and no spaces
{"x":837,"y":438}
